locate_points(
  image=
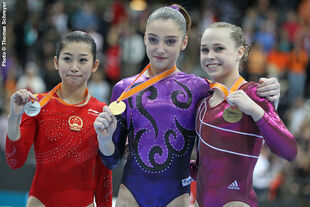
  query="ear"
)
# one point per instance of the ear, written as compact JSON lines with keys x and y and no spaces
{"x":56,"y":63}
{"x":95,"y":66}
{"x":184,"y":43}
{"x":144,"y":38}
{"x":240,"y":53}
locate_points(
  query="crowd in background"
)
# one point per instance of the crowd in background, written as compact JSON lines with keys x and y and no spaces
{"x":278,"y":32}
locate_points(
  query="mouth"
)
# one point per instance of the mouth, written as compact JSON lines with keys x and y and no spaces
{"x":160,"y":58}
{"x":74,"y":76}
{"x":213,"y":65}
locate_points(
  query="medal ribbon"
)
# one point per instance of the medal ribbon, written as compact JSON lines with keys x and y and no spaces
{"x":128,"y":93}
{"x":48,"y":96}
{"x":223,"y":88}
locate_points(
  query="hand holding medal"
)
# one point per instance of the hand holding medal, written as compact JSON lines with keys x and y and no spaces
{"x":24,"y":101}
{"x":244,"y":104}
{"x":231,"y":114}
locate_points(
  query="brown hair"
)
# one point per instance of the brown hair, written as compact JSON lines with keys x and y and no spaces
{"x":175,"y":12}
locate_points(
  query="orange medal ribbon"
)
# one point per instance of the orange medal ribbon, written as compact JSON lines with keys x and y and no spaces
{"x":34,"y":107}
{"x":230,"y":114}
{"x":48,"y":96}
{"x":118,"y":107}
{"x":223,"y":88}
{"x":127,"y":93}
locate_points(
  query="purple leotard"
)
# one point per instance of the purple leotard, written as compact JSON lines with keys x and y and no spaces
{"x":228,"y":151}
{"x":160,"y":124}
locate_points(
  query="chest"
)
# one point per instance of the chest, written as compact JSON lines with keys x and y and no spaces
{"x":62,"y":126}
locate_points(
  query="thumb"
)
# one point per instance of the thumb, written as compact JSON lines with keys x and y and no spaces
{"x":262,"y":80}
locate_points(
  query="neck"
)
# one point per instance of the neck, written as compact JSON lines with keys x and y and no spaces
{"x":71,"y":95}
{"x":229,"y":80}
{"x":152,"y":71}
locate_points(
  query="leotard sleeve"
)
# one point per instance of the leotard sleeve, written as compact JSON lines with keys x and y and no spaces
{"x":120,"y":134}
{"x":276,"y":135}
{"x":17,"y":151}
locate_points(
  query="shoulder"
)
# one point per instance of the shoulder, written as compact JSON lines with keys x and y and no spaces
{"x":95,"y":101}
{"x":250,"y":88}
{"x":122,"y":84}
{"x":194,"y":80}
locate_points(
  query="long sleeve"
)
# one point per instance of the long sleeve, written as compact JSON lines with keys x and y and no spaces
{"x":103,"y":182}
{"x":120,"y":134}
{"x":17,"y":151}
{"x":278,"y":138}
{"x":276,"y":135}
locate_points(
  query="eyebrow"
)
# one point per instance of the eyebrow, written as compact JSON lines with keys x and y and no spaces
{"x":216,"y":44}
{"x":83,"y":54}
{"x":169,"y":36}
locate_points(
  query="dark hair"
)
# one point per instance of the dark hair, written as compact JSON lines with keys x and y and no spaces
{"x":237,"y":35}
{"x":175,"y":12}
{"x":76,"y":36}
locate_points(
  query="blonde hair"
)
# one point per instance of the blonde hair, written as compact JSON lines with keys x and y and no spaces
{"x":237,"y":35}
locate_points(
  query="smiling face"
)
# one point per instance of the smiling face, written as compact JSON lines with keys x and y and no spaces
{"x":75,"y":63}
{"x":163,"y":43}
{"x":219,"y":56}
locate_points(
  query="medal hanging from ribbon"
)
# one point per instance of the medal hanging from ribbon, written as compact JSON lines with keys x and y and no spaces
{"x":117,"y":107}
{"x":33,"y":107}
{"x":230,"y":114}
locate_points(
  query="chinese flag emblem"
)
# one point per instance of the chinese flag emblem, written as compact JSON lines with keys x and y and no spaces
{"x":75,"y":123}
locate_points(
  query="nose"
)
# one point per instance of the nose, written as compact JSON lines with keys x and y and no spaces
{"x":210,"y":55}
{"x":74,"y":67}
{"x":161,"y":48}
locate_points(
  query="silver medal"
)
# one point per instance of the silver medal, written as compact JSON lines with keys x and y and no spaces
{"x":32,"y":108}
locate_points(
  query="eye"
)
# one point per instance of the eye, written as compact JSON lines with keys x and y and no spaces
{"x":83,"y":60}
{"x":152,"y":40}
{"x":204,"y":50}
{"x":67,"y":59}
{"x":218,"y":49}
{"x":171,"y":41}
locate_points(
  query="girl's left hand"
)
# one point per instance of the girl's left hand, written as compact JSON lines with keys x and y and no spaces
{"x":269,"y":88}
{"x":246,"y":104}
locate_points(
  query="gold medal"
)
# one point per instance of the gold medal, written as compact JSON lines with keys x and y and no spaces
{"x":232,"y":115}
{"x":117,"y":107}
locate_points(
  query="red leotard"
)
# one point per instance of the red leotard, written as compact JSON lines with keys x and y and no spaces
{"x":68,"y":169}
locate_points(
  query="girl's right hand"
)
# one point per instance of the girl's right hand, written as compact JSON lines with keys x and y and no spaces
{"x":18,"y":101}
{"x":105,"y":124}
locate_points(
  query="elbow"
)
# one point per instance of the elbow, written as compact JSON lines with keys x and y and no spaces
{"x":292,"y":153}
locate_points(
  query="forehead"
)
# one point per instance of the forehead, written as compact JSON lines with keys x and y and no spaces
{"x":76,"y":48}
{"x":162,"y":27}
{"x":217,"y":36}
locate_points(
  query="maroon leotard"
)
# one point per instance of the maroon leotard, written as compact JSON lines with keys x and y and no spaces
{"x":228,"y":151}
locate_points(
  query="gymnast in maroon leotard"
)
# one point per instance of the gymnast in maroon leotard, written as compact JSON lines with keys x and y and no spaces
{"x":232,"y":124}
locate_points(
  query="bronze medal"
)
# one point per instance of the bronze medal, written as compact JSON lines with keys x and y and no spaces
{"x":117,"y":107}
{"x":232,"y":115}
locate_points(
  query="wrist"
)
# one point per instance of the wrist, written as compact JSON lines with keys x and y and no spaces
{"x":13,"y":127}
{"x":258,"y":114}
{"x":106,"y":147}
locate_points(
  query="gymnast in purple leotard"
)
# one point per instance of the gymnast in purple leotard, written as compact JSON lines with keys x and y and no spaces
{"x":232,"y":124}
{"x":159,"y":121}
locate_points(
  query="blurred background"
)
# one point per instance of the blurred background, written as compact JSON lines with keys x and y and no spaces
{"x":278,"y":31}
